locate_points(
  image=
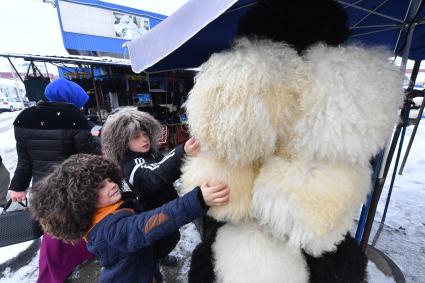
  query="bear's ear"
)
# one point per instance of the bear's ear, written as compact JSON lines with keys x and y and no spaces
{"x":229,"y":107}
{"x":351,"y":107}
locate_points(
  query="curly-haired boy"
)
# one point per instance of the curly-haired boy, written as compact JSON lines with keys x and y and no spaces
{"x":81,"y":198}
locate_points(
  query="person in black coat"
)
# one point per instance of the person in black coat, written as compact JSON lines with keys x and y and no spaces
{"x":4,"y":183}
{"x":130,"y":138}
{"x":46,"y":135}
{"x":49,"y":133}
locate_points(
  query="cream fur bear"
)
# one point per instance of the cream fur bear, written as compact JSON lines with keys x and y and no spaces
{"x":292,"y":137}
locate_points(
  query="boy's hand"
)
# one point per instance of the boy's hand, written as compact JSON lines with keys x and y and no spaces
{"x":216,"y":195}
{"x":192,"y":146}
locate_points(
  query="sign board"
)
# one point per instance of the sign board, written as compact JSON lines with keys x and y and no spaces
{"x":84,"y":19}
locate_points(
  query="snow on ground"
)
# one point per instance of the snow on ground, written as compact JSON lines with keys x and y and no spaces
{"x":7,"y":140}
{"x":402,"y":238}
{"x":26,"y":274}
{"x":375,"y":275}
{"x":12,"y":250}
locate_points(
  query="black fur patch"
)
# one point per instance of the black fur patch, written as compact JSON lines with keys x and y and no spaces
{"x":209,"y":228}
{"x":298,"y":23}
{"x":347,"y":264}
{"x":202,"y":264}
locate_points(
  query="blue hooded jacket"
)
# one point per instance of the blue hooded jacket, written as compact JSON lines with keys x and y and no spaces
{"x":62,"y":90}
{"x":123,"y":241}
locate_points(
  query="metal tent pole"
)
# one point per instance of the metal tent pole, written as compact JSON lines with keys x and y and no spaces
{"x":379,"y":184}
{"x":377,"y":163}
{"x":405,"y":124}
{"x":405,"y":113}
{"x":96,"y":96}
{"x":18,"y":91}
{"x":418,"y":119}
{"x":414,"y":75}
{"x":16,"y":71}
{"x":347,"y":4}
{"x":401,"y":29}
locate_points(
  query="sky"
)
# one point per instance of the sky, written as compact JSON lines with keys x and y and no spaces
{"x":29,"y":26}
{"x":164,"y":7}
{"x":32,"y":27}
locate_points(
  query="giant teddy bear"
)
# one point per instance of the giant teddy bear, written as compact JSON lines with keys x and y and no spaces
{"x":290,"y":125}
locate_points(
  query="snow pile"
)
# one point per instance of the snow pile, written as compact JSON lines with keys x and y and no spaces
{"x":27,"y":274}
{"x":12,"y":250}
{"x":376,"y":276}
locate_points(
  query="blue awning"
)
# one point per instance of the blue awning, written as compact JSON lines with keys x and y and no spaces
{"x":379,"y":22}
{"x":372,"y":22}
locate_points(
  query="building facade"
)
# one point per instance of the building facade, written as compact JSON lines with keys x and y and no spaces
{"x":97,"y":28}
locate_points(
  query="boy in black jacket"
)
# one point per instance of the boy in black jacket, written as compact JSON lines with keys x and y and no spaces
{"x":130,"y":138}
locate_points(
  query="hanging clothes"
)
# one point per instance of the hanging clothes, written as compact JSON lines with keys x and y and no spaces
{"x":34,"y":87}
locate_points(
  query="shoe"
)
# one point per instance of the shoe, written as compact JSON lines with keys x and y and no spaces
{"x":168,"y":260}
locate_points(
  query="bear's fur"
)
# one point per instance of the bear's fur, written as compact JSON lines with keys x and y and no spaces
{"x":291,"y":130}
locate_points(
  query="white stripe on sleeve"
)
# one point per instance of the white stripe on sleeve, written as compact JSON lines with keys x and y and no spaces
{"x":152,"y":166}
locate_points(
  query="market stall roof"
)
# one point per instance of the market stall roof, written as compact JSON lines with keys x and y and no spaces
{"x":386,"y":22}
{"x":201,"y":27}
{"x":94,"y":61}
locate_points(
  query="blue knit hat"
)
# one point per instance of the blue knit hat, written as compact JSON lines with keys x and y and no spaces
{"x":62,"y":90}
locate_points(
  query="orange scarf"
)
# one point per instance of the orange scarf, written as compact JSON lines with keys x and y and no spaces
{"x":100,"y":214}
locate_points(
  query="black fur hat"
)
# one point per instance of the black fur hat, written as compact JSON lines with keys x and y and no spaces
{"x":298,"y":23}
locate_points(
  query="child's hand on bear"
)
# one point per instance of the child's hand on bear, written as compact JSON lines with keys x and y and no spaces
{"x":192,"y":146}
{"x":216,"y":195}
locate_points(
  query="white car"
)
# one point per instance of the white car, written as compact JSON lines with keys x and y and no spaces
{"x":10,"y":104}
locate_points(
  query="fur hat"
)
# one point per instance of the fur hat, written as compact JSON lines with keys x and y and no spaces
{"x":122,"y":126}
{"x":62,"y":90}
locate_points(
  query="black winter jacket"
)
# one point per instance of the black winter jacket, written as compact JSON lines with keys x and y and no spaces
{"x":46,"y":135}
{"x":151,"y":176}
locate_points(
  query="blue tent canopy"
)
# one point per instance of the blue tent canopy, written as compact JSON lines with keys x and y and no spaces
{"x":383,"y":22}
{"x":372,"y":22}
{"x":216,"y":36}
